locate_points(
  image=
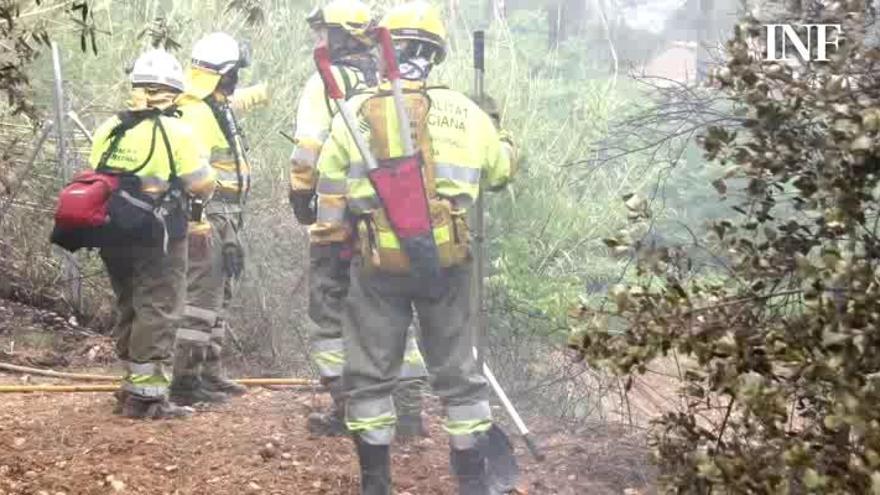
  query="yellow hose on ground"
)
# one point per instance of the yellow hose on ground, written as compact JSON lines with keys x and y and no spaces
{"x":251,"y":382}
{"x":110,"y":387}
{"x":58,"y":374}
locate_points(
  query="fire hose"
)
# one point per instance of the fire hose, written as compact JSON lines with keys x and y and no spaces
{"x":110,"y":387}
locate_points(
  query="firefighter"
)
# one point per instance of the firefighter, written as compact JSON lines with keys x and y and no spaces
{"x":461,"y":147}
{"x":150,"y":282}
{"x":342,"y":24}
{"x":216,"y":255}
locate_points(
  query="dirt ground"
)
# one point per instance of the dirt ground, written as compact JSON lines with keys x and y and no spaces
{"x":52,"y":444}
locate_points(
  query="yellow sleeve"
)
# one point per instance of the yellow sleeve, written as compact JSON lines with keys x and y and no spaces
{"x":313,"y":120}
{"x":497,"y":164}
{"x":333,"y":164}
{"x":191,"y":160}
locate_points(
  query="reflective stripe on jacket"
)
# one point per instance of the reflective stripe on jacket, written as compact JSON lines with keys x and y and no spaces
{"x":467,"y":149}
{"x":144,"y":141}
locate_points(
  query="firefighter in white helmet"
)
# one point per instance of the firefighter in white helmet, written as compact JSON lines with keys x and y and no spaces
{"x":342,"y":25}
{"x":149,"y":282}
{"x":216,"y":255}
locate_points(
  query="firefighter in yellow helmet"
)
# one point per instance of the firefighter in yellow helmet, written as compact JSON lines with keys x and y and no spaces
{"x":216,"y":255}
{"x":149,"y":281}
{"x":342,"y":25}
{"x":461,"y":147}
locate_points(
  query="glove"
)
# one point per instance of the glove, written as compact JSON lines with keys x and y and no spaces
{"x":233,"y":260}
{"x":490,"y":106}
{"x":305,"y":206}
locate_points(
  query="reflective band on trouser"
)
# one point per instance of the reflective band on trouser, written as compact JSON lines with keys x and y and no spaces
{"x":191,"y":335}
{"x":146,"y":385}
{"x":205,"y":315}
{"x":329,"y":356}
{"x":462,"y":422}
{"x":457,"y":173}
{"x":372,"y":419}
{"x":389,"y":240}
{"x":413,"y":362}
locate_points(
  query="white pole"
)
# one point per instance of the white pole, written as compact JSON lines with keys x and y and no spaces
{"x":71,"y":269}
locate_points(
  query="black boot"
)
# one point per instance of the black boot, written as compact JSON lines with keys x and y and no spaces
{"x":469,"y":466}
{"x":138,"y":407}
{"x":330,"y":423}
{"x":375,"y":468}
{"x":213,"y":372}
{"x":187,"y":390}
{"x":327,"y":424}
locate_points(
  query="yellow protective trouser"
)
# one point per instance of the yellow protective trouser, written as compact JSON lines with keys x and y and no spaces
{"x":149,"y":286}
{"x":328,"y":286}
{"x":379,"y":311}
{"x":209,"y":289}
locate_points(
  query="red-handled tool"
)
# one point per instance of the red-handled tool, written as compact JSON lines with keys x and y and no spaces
{"x":325,"y":70}
{"x":392,"y":72}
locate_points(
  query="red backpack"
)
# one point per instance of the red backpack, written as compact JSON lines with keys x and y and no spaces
{"x":107,"y":207}
{"x":83,"y":203}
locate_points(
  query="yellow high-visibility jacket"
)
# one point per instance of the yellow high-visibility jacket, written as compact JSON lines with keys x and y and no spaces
{"x":233,"y":170}
{"x":314,"y":114}
{"x":190,"y":160}
{"x":466,"y":149}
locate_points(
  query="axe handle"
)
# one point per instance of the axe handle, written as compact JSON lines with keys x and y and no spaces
{"x":514,"y":415}
{"x":392,"y":72}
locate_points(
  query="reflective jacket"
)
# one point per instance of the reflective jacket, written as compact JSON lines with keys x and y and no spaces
{"x":314,"y":114}
{"x":225,"y":155}
{"x":466,"y":148}
{"x":144,"y":142}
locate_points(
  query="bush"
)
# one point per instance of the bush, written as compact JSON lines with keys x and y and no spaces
{"x":777,"y":349}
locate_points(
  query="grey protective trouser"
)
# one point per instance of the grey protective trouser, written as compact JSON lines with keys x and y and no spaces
{"x":149,"y":285}
{"x":328,"y":286}
{"x":378,"y":313}
{"x":209,"y":290}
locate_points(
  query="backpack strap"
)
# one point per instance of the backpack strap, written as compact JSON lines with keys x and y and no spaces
{"x":229,"y":128}
{"x":171,"y":164}
{"x":348,"y":89}
{"x":129,"y":120}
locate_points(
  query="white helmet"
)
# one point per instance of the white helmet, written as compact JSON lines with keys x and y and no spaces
{"x":157,"y":66}
{"x":219,"y":53}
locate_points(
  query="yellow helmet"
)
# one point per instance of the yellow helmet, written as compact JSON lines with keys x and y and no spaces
{"x":417,"y":21}
{"x":352,"y":15}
